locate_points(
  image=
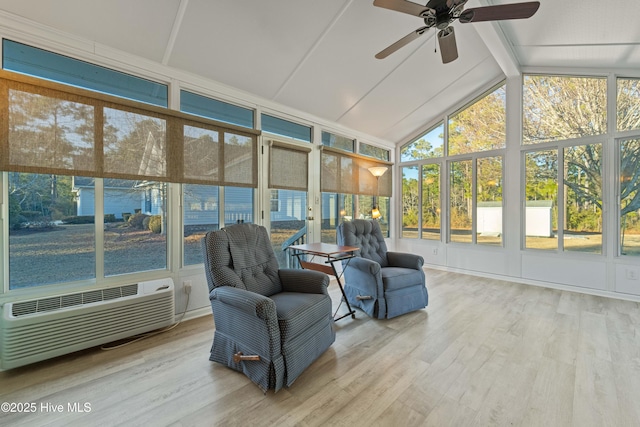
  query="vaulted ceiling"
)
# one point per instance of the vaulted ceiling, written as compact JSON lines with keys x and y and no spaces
{"x":318,"y":56}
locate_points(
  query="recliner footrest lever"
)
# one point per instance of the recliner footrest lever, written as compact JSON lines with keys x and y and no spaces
{"x":239,"y":357}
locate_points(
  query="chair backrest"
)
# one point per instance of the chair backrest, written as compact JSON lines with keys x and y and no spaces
{"x":241,"y":256}
{"x":367,"y":235}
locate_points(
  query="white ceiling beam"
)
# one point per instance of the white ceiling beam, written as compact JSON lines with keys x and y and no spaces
{"x":174,"y":31}
{"x":495,"y":40}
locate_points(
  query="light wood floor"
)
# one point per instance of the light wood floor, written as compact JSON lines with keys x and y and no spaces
{"x":483,"y":353}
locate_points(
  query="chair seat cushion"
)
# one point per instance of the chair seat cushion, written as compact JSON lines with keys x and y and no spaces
{"x":298,"y":311}
{"x":394,"y":278}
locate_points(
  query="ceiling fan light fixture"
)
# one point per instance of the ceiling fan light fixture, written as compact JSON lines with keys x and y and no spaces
{"x":448,"y":46}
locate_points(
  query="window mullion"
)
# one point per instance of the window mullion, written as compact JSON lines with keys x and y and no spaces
{"x":474,"y":200}
{"x":561,"y":199}
{"x":99,"y":227}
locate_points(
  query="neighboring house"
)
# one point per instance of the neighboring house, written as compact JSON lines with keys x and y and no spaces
{"x":201,"y":204}
{"x":120,"y":196}
{"x":288,"y":205}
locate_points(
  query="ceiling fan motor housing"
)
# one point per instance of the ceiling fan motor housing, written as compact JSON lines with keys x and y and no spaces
{"x":441,"y":13}
{"x":443,"y":20}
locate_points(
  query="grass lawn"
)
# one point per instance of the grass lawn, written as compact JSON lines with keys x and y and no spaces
{"x":67,"y":253}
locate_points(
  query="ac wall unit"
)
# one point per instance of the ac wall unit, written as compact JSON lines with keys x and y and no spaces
{"x":39,"y":329}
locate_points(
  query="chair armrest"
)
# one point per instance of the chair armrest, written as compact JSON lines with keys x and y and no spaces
{"x":405,"y":260}
{"x":247,"y":301}
{"x":304,"y":281}
{"x":364,"y":265}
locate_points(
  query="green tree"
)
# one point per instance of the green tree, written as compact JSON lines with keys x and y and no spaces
{"x":460,"y":198}
{"x":42,"y":130}
{"x":134,"y":144}
{"x":421,"y":149}
{"x":50,"y":133}
{"x":560,"y":108}
{"x":15,"y":211}
{"x":489,"y":180}
{"x":628,"y":107}
{"x":410,"y":198}
{"x":630,"y":176}
{"x":479,"y":127}
{"x":431,"y":196}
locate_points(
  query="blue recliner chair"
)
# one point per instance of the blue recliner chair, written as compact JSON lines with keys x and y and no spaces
{"x":271,"y":323}
{"x":383,"y":284}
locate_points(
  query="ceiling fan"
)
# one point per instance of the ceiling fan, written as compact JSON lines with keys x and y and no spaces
{"x":441,"y":13}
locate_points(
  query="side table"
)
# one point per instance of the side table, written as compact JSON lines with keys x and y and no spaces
{"x":332,"y":254}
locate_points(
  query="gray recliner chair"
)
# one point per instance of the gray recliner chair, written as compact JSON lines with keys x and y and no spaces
{"x":271,"y":323}
{"x":383,"y":284}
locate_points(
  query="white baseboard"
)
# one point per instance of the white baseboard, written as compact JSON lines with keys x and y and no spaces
{"x":194,"y":314}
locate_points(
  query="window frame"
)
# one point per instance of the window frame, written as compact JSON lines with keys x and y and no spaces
{"x":445,"y":161}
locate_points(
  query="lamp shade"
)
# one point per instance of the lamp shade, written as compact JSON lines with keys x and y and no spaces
{"x":378,"y":171}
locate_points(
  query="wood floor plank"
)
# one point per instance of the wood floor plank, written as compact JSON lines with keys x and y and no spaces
{"x":593,"y":336}
{"x":562,"y":343}
{"x":595,"y":400}
{"x":627,"y":382}
{"x":472,"y":385}
{"x":484,"y":353}
{"x":551,"y":401}
{"x":507,"y":401}
{"x":450,"y":413}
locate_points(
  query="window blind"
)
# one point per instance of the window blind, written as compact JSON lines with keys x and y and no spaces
{"x":288,"y":166}
{"x":50,"y":128}
{"x":349,"y":173}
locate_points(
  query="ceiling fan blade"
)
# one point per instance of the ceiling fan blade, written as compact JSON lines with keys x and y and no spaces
{"x":448,"y":46}
{"x":500,"y":12}
{"x":405,"y":6}
{"x":454,"y":3}
{"x":400,"y":43}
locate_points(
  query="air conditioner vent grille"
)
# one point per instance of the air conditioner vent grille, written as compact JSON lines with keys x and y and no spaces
{"x":91,"y":297}
{"x":129,"y":290}
{"x":111,"y":293}
{"x":71,"y":300}
{"x":24,"y":308}
{"x":48,"y":304}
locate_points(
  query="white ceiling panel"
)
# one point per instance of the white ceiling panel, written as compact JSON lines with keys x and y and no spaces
{"x":251,"y":45}
{"x":342,"y":68}
{"x":140,"y":27}
{"x":578,"y":23}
